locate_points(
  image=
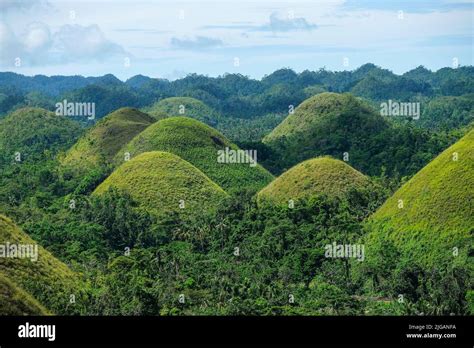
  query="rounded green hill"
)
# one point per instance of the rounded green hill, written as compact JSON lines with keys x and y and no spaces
{"x":322,"y":175}
{"x":46,"y":278}
{"x":330,"y":124}
{"x":15,"y":301}
{"x":160,"y":182}
{"x":198,"y":144}
{"x":319,"y":111}
{"x":433,"y":212}
{"x":184,"y":106}
{"x":32,"y":132}
{"x":98,"y":146}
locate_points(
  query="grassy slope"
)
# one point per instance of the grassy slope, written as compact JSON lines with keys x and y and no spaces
{"x":49,"y":280}
{"x":100,"y":144}
{"x":198,"y":144}
{"x":316,"y":111}
{"x":193,"y":108}
{"x":438,"y":206}
{"x":159,"y":180}
{"x":331,"y":124}
{"x":33,"y":131}
{"x":322,"y":175}
{"x":15,"y":301}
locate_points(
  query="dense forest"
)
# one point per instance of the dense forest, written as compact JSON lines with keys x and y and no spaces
{"x":236,"y":97}
{"x":136,"y":216}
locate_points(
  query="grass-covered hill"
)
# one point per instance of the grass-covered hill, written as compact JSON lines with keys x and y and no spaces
{"x":47,"y":279}
{"x":438,"y":205}
{"x":99,"y":145}
{"x":36,"y":133}
{"x":198,"y":144}
{"x":322,"y":175}
{"x":326,"y":109}
{"x":184,"y":106}
{"x":160,"y":181}
{"x":341,"y":124}
{"x":329,"y":124}
{"x":15,"y":301}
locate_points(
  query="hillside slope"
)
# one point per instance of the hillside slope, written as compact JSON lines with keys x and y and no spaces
{"x":331,"y":124}
{"x":433,"y":212}
{"x":320,"y":110}
{"x":99,"y":145}
{"x":35,"y":133}
{"x":46,"y":278}
{"x":15,"y":301}
{"x":198,"y":144}
{"x":322,"y":175}
{"x":160,"y":181}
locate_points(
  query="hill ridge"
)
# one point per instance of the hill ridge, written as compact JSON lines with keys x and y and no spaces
{"x":320,"y":175}
{"x":162,"y":181}
{"x":198,"y":144}
{"x":97,"y":147}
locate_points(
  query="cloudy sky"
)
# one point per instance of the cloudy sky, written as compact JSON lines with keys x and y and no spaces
{"x":168,"y":39}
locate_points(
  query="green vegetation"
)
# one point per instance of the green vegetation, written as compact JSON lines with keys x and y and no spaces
{"x":329,"y":124}
{"x":448,"y":112}
{"x":313,"y":177}
{"x":419,"y":242}
{"x":280,"y":251}
{"x":249,"y":130}
{"x":49,"y":280}
{"x":30,"y":140}
{"x":15,"y":301}
{"x":96,"y":149}
{"x":382,"y":88}
{"x":108,"y":96}
{"x":184,"y":106}
{"x":160,"y":180}
{"x":175,"y":221}
{"x":436,"y":213}
{"x":334,"y":124}
{"x":234,"y":95}
{"x":35,"y":133}
{"x":198,"y":144}
{"x":315,"y":112}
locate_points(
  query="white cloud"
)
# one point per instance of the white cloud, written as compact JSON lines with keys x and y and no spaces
{"x":36,"y":45}
{"x":37,"y":37}
{"x":10,"y":46}
{"x":79,"y":43}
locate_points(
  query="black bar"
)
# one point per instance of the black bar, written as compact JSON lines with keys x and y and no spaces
{"x":242,"y":330}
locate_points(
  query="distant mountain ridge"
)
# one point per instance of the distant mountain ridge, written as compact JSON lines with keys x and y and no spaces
{"x":53,"y":85}
{"x":237,"y":97}
{"x":57,"y":84}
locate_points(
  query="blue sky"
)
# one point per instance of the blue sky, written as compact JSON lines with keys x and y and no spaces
{"x":170,"y":39}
